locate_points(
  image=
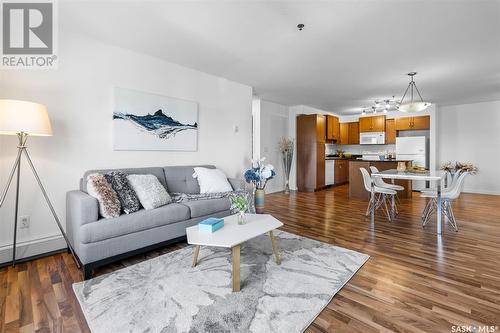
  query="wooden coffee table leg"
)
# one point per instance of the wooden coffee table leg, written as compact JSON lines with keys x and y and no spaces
{"x":236,"y":268}
{"x":196,"y":252}
{"x":275,"y":249}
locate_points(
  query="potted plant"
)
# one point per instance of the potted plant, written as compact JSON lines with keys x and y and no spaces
{"x":258,"y":175}
{"x":239,"y":204}
{"x":286,"y":149}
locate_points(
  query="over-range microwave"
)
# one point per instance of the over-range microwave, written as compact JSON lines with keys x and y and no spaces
{"x":372,"y":138}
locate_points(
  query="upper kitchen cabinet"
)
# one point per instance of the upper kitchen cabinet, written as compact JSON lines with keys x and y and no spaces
{"x":320,"y":128}
{"x":349,"y":133}
{"x":390,"y":131}
{"x":353,"y":133}
{"x":372,"y":124}
{"x":332,"y":128}
{"x":413,"y":123}
{"x":344,"y":134}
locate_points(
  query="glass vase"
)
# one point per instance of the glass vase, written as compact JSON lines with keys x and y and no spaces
{"x":241,"y":218}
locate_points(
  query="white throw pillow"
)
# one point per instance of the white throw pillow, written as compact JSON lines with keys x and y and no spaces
{"x":212,"y":180}
{"x":149,"y":190}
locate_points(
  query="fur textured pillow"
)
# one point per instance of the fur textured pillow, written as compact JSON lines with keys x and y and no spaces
{"x":128,"y":199}
{"x":99,"y":188}
{"x":150,"y":191}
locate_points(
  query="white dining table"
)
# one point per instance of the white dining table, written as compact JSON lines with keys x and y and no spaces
{"x":431,"y":176}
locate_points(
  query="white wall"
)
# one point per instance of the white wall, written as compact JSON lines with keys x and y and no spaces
{"x":273,"y":127}
{"x":80,"y":103}
{"x":471,"y":133}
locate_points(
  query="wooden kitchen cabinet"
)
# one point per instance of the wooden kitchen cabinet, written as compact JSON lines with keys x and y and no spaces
{"x":311,"y":152}
{"x":372,"y":124}
{"x":421,"y":123}
{"x":344,"y":134}
{"x":413,"y":123}
{"x":341,"y":171}
{"x":320,"y":128}
{"x":332,"y":128}
{"x":353,"y":133}
{"x":390,"y":131}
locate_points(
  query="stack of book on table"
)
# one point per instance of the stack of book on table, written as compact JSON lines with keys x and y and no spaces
{"x":211,"y":224}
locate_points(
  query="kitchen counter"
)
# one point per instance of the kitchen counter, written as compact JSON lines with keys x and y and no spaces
{"x":336,"y":157}
{"x":356,"y":184}
{"x":360,"y":159}
{"x":340,"y":158}
{"x":386,"y":160}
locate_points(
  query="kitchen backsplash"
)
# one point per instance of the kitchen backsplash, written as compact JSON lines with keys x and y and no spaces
{"x":358,"y":149}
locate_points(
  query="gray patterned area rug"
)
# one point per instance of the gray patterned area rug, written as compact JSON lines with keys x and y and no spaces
{"x":165,"y":294}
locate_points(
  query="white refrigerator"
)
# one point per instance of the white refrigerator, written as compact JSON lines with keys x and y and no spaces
{"x":413,"y":148}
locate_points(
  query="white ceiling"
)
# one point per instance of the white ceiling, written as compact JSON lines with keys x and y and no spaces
{"x":350,"y":52}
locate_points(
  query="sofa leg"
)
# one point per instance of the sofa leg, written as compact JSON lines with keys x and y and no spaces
{"x":87,"y":272}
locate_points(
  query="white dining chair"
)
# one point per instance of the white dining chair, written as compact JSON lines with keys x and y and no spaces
{"x":432,"y":192}
{"x":447,"y":196}
{"x":454,"y":178}
{"x":380,"y":182}
{"x":382,"y":194}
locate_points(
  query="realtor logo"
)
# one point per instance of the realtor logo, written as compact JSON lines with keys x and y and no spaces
{"x":28,"y":34}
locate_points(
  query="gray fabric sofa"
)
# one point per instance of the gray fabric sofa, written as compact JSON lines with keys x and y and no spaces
{"x":98,"y":241}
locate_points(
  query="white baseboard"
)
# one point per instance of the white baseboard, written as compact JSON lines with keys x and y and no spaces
{"x":480,"y":191}
{"x":32,"y":248}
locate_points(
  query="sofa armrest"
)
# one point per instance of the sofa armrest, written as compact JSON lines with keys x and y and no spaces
{"x":236,"y":184}
{"x":81,"y":209}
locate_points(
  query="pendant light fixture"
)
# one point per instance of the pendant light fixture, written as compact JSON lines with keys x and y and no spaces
{"x":411,"y":105}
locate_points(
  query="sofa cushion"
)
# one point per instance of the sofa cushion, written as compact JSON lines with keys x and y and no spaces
{"x":212,"y":180}
{"x":126,"y":224}
{"x":205,"y":207}
{"x":128,"y":199}
{"x":157,"y":171}
{"x":99,"y":188}
{"x":149,"y":190}
{"x":180,"y":179}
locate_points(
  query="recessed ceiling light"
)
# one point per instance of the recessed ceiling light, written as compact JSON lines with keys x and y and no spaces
{"x":300,"y":26}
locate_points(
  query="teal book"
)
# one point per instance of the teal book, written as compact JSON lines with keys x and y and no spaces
{"x":211,"y":224}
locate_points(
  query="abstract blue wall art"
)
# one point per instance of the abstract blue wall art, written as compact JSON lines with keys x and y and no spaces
{"x":143,"y":121}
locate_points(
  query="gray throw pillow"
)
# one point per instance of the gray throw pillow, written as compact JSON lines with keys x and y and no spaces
{"x":150,"y":191}
{"x":128,"y":199}
{"x":99,"y":188}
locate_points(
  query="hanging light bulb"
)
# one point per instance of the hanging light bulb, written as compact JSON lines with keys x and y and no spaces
{"x":411,"y":105}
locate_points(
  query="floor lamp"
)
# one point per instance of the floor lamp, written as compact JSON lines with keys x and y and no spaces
{"x":26,"y":119}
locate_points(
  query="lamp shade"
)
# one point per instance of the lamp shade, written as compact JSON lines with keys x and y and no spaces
{"x":413,"y":107}
{"x":20,"y":116}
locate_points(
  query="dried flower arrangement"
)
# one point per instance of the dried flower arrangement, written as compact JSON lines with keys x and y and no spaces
{"x":459,"y":166}
{"x":286,"y":145}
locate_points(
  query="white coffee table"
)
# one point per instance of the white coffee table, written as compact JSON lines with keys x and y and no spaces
{"x":232,"y":235}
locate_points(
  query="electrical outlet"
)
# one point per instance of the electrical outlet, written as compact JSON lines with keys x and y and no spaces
{"x":24,"y":222}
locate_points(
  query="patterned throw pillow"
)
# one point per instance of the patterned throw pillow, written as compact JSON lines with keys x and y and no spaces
{"x":99,"y":188}
{"x":128,"y":199}
{"x":150,"y":191}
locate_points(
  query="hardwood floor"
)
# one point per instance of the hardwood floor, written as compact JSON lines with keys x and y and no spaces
{"x":413,"y":282}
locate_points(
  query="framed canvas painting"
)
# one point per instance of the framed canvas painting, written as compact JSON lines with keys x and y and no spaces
{"x":143,"y":121}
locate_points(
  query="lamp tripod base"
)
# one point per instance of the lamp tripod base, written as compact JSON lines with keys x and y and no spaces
{"x":23,"y":149}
